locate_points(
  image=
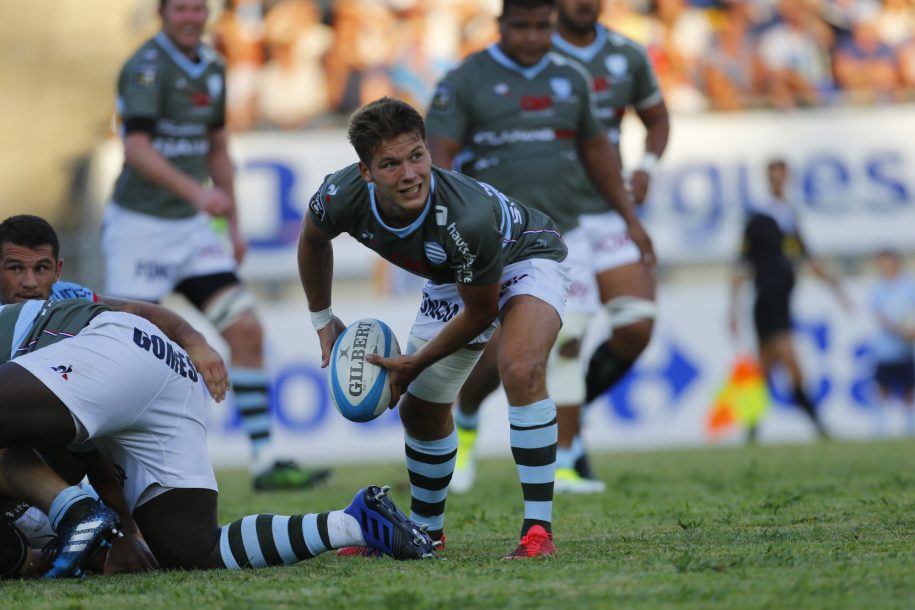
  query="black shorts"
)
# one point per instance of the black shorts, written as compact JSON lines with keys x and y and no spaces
{"x":772,"y":315}
{"x":898,"y":375}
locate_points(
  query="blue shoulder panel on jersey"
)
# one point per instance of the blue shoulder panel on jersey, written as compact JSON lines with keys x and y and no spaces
{"x":70,"y":290}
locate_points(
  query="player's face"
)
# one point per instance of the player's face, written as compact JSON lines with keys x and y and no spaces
{"x":401,"y":169}
{"x":183,"y":22}
{"x":27,"y":273}
{"x":579,"y":15}
{"x":525,"y":33}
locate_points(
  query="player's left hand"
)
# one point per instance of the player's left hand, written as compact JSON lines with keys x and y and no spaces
{"x":209,"y":364}
{"x":128,"y":555}
{"x":638,"y":186}
{"x":640,"y":238}
{"x":401,"y":371}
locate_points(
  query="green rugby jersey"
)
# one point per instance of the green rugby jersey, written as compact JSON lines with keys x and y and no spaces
{"x":621,"y":76}
{"x":520,"y":129}
{"x":27,"y":326}
{"x":466,"y":234}
{"x":187,"y":100}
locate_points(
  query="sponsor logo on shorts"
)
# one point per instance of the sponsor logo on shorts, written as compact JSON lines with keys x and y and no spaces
{"x":510,"y":282}
{"x":438,"y":309}
{"x":63,"y":370}
{"x":151,"y":270}
{"x":165,"y":351}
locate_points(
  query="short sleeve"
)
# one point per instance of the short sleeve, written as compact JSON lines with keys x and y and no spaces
{"x":448,"y":114}
{"x":139,"y":90}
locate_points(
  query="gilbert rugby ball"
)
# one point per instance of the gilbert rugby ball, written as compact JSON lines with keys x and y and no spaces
{"x":360,"y":389}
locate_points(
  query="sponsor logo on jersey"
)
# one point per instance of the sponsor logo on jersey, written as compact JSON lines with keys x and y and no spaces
{"x":317,"y":206}
{"x":200,"y":99}
{"x":441,"y":215}
{"x":181,"y":83}
{"x":331,"y":190}
{"x":562,"y":88}
{"x":182,"y":147}
{"x":515,"y":136}
{"x":63,"y":370}
{"x":600,"y":83}
{"x":438,"y":309}
{"x":617,"y":65}
{"x":536,"y":103}
{"x":435,"y":253}
{"x":150,"y":54}
{"x":145,"y":76}
{"x":366,"y":236}
{"x":443,"y":100}
{"x":501,"y":89}
{"x":173,"y":358}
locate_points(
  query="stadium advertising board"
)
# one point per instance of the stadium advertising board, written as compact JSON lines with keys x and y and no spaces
{"x":850,"y":177}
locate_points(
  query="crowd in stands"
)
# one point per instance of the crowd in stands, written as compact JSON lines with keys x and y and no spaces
{"x":297,"y":63}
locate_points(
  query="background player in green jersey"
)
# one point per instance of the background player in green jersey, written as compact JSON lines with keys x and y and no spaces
{"x":522,"y":118}
{"x":621,"y":77}
{"x":158,"y":233}
{"x":486,"y":256}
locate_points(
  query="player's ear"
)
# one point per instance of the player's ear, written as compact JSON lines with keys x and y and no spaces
{"x":60,"y":268}
{"x":364,"y":172}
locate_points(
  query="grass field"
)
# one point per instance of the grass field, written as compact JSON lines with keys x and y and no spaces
{"x":829,"y":525}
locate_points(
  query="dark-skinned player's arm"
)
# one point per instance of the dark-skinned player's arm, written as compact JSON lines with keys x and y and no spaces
{"x":316,"y":272}
{"x":481,"y":307}
{"x":222,"y":173}
{"x":443,"y":151}
{"x":206,"y":360}
{"x":603,"y":166}
{"x":131,"y":553}
{"x":656,"y":120}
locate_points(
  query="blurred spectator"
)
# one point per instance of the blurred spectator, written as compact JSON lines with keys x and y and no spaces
{"x":292,"y":86}
{"x":794,"y":53}
{"x":733,"y":73}
{"x":359,"y":61}
{"x":865,"y":67}
{"x":896,"y":21}
{"x":623,"y":17}
{"x":892,"y":302}
{"x":237,"y":36}
{"x":679,"y":37}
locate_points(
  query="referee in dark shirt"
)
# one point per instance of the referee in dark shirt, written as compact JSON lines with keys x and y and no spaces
{"x":771,"y":250}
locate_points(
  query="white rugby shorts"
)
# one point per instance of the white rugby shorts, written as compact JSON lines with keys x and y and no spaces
{"x":136,"y":398}
{"x":147,"y":256}
{"x":547,"y":280}
{"x":599,"y":243}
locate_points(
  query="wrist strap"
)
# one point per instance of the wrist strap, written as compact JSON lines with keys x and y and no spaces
{"x":649,"y":162}
{"x":320,"y":319}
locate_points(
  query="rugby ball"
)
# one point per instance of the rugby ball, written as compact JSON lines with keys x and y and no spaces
{"x":358,"y":388}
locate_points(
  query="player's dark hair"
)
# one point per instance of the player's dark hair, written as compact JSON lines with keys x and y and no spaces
{"x":29,"y":232}
{"x":525,"y":4}
{"x":381,"y":120}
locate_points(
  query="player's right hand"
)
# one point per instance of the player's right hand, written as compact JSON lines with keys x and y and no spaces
{"x":640,"y":238}
{"x":212,"y":200}
{"x":328,"y":336}
{"x":128,"y":555}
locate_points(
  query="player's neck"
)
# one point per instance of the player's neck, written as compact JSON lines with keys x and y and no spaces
{"x":577,"y":37}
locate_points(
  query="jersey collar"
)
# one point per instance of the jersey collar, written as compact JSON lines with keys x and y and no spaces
{"x":584,"y":54}
{"x":503,"y":60}
{"x":410,"y":228}
{"x":194,"y":70}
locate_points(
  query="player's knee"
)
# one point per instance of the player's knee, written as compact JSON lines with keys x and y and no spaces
{"x":422,"y":419}
{"x":232,"y":306}
{"x":631,"y":340}
{"x":632,"y":321}
{"x":522,"y":374}
{"x":246,"y":334}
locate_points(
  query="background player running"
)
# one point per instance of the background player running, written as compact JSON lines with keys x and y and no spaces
{"x":521,"y":118}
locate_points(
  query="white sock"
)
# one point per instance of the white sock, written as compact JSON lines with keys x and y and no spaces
{"x":343,"y":530}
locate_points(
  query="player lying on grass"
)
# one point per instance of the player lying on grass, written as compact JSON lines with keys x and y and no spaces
{"x":75,"y":372}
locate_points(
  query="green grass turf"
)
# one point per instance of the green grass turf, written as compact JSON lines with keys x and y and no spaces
{"x":829,"y":525}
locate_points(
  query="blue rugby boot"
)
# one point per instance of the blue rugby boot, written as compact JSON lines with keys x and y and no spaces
{"x":386,"y":529}
{"x":88,"y":526}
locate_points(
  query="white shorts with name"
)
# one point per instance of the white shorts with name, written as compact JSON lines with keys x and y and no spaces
{"x":545,"y":279}
{"x":599,"y":243}
{"x":146,"y":256}
{"x":136,"y":399}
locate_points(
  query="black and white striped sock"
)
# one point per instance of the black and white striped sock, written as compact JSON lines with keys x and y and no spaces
{"x":258,"y":541}
{"x":533,"y":436}
{"x":430,"y":465}
{"x":252,"y":395}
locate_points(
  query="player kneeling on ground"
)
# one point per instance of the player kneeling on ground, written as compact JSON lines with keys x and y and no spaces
{"x":86,"y":375}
